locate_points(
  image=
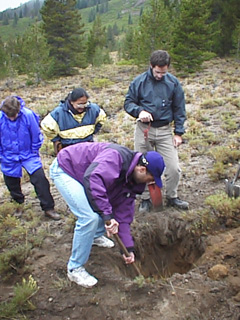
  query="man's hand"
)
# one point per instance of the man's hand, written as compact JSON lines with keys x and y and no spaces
{"x":145,"y":116}
{"x":129,"y":259}
{"x":111,"y":227}
{"x":177,"y":140}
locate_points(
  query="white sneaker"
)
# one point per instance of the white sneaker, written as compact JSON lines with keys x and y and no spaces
{"x":103,"y":242}
{"x":82,"y":277}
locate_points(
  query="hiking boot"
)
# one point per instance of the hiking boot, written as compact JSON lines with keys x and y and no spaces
{"x":103,"y":242}
{"x":81,"y":277}
{"x":145,"y":206}
{"x":178,"y":203}
{"x":52,"y":215}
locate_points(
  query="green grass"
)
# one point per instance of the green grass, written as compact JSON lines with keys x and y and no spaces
{"x":21,"y":300}
{"x":9,"y":32}
{"x":115,"y":8}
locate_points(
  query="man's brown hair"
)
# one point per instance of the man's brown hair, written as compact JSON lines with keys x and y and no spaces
{"x":160,"y":58}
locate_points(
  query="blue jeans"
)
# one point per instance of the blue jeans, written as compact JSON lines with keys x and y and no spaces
{"x":89,"y":224}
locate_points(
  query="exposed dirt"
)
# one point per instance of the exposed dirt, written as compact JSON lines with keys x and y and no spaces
{"x":186,"y":274}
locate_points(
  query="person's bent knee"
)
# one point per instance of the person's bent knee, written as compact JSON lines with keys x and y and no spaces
{"x":90,"y":222}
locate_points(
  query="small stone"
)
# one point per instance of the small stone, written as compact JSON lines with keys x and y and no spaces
{"x":229,"y":238}
{"x":237,"y":297}
{"x":217,"y":272}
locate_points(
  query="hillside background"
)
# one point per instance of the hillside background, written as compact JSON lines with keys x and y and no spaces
{"x":118,"y":11}
{"x":58,"y":38}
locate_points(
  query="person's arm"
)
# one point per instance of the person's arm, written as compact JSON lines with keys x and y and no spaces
{"x":179,"y":111}
{"x":112,"y":228}
{"x":35,"y":132}
{"x":50,"y":127}
{"x":100,"y":120}
{"x":0,"y":148}
{"x":131,"y":104}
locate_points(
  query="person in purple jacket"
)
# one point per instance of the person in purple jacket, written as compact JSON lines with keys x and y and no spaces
{"x":99,"y":182}
{"x":20,"y":141}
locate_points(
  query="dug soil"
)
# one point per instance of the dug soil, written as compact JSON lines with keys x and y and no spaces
{"x":185,"y":273}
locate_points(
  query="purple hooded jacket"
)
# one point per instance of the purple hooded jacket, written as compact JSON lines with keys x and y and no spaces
{"x":105,"y":170}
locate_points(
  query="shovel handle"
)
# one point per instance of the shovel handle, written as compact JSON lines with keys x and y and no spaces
{"x":124,"y":249}
{"x":237,"y":174}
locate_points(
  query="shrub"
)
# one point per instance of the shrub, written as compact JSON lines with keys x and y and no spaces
{"x":224,"y":206}
{"x":21,"y":300}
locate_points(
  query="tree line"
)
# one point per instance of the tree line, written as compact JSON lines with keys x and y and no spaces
{"x":192,"y":31}
{"x":27,"y":10}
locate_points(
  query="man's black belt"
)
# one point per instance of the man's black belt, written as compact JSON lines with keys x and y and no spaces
{"x":157,"y":123}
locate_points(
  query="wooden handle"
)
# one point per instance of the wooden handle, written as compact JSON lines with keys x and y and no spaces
{"x":124,"y":249}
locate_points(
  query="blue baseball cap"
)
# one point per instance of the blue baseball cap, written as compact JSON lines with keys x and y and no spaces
{"x":155,"y":165}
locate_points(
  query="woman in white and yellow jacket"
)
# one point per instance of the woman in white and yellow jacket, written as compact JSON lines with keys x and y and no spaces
{"x":74,"y":120}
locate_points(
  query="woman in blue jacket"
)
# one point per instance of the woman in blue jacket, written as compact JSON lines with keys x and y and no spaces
{"x":20,"y":141}
{"x":74,"y":120}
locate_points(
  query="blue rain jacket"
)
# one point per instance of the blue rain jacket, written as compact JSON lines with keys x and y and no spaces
{"x":20,"y":141}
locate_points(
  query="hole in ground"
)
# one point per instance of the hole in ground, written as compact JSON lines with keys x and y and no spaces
{"x":164,"y":246}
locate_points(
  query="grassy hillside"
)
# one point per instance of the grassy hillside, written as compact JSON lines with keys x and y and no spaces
{"x":118,"y":12}
{"x":11,"y":32}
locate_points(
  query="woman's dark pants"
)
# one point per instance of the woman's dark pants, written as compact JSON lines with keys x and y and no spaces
{"x":41,"y":186}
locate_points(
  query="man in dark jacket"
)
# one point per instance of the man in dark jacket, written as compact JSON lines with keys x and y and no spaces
{"x":20,"y":141}
{"x":99,"y":182}
{"x":156,"y":99}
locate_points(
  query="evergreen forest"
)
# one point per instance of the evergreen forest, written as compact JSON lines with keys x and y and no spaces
{"x":54,"y":38}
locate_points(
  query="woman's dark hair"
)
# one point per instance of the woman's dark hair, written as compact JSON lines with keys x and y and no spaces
{"x":76,"y":94}
{"x":160,"y":58}
{"x":11,"y":106}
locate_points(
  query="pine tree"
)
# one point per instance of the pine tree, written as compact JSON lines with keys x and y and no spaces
{"x":5,"y":19}
{"x":128,"y":50}
{"x":35,"y":54}
{"x":63,"y":30}
{"x":25,"y":10}
{"x":130,"y":19}
{"x":115,"y":29}
{"x":236,"y":40}
{"x":227,"y":14}
{"x":96,"y":44}
{"x":110,"y":39}
{"x":15,"y":19}
{"x":153,"y":32}
{"x":192,"y":36}
{"x":3,"y":60}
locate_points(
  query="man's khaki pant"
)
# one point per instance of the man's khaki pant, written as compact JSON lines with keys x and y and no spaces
{"x":160,"y":140}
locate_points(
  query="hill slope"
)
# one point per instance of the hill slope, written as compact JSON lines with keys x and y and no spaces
{"x":118,"y":12}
